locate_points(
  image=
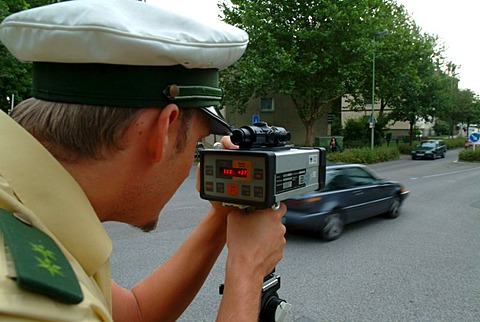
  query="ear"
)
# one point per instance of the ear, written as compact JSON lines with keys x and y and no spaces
{"x":158,"y":141}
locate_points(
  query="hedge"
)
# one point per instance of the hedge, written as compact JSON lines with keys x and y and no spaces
{"x":364,"y":155}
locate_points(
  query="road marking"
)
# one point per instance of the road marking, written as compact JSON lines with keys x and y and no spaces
{"x":444,"y":174}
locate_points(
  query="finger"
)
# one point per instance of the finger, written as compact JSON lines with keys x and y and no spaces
{"x":197,"y":185}
{"x":227,"y":143}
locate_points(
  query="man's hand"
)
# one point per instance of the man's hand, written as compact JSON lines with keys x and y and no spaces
{"x":256,"y":240}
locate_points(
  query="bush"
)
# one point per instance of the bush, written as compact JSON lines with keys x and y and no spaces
{"x":405,"y":148}
{"x":455,"y":143}
{"x":355,"y":133}
{"x":364,"y":155}
{"x":387,"y":154}
{"x":469,"y":155}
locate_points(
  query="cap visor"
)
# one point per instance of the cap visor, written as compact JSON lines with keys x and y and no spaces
{"x":218,"y":124}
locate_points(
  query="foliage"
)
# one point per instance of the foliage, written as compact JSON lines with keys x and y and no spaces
{"x":467,"y":107}
{"x":469,"y":155}
{"x":440,"y":127}
{"x":417,"y":90}
{"x":337,"y":129}
{"x":406,"y":72}
{"x":364,"y":155}
{"x":406,"y":148}
{"x":455,"y":143}
{"x":15,"y":76}
{"x":317,"y":51}
{"x":447,"y":110}
{"x":357,"y":132}
{"x":312,"y":51}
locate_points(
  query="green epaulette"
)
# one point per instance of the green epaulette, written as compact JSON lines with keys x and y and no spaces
{"x":40,"y":265}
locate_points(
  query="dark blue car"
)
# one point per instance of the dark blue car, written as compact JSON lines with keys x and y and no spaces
{"x":352,"y":192}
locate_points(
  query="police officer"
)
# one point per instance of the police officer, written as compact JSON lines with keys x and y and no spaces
{"x":122,"y":92}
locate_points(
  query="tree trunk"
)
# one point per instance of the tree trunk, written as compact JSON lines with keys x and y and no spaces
{"x":310,"y":135}
{"x":410,"y":133}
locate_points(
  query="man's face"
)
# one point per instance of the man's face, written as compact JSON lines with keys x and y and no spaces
{"x":175,"y":167}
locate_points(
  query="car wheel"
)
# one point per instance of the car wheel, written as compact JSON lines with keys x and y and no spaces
{"x":333,"y":227}
{"x":414,"y":157}
{"x":443,"y":154}
{"x":394,"y":210}
{"x":434,"y":156}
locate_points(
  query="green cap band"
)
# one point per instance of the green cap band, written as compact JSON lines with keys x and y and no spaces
{"x":126,"y":85}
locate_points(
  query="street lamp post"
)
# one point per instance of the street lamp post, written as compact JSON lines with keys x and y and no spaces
{"x":372,"y":117}
{"x":11,"y":101}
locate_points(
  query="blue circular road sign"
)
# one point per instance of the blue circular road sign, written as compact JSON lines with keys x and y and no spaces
{"x":474,"y":137}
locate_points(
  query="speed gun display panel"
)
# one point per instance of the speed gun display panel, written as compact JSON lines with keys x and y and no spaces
{"x":260,"y":178}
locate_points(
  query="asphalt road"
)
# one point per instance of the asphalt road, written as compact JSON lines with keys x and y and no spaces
{"x":422,"y":266}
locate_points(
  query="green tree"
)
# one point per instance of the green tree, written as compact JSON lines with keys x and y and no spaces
{"x":446,"y":109}
{"x":15,"y":76}
{"x":407,"y":69}
{"x":312,"y":51}
{"x":468,"y":105}
{"x":417,"y":87}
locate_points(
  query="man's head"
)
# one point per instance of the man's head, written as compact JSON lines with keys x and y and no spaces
{"x":125,"y":81}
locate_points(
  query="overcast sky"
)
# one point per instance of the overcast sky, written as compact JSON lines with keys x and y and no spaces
{"x":457,"y":24}
{"x":453,"y":21}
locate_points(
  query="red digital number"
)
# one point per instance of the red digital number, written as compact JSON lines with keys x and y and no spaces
{"x":242,"y":172}
{"x":227,"y":171}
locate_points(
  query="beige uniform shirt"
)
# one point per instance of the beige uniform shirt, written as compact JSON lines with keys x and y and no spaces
{"x":39,"y":191}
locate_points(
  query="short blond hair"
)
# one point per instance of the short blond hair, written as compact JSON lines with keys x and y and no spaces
{"x":76,"y":131}
{"x":80,"y":131}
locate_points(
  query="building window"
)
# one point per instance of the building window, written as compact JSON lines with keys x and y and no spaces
{"x":267,"y":104}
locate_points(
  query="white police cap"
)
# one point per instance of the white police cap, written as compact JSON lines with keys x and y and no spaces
{"x":124,"y":53}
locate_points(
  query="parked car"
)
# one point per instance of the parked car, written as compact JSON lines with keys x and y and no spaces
{"x":470,"y":144}
{"x":352,"y":192}
{"x":429,"y":149}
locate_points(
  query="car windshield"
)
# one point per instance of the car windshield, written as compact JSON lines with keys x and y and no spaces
{"x":427,"y":144}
